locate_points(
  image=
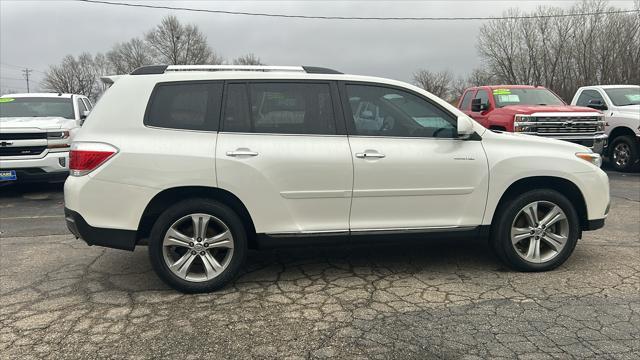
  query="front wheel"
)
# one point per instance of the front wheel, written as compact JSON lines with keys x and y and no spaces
{"x":624,"y":153}
{"x":197,"y":245}
{"x":536,"y":231}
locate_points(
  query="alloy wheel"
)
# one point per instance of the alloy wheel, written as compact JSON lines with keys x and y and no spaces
{"x":198,"y":247}
{"x":621,"y":154}
{"x":539,"y":231}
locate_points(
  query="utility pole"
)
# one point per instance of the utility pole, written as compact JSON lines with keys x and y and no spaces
{"x":26,"y":73}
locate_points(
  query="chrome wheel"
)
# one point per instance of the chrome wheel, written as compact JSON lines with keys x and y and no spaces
{"x":539,"y":231}
{"x":198,"y":247}
{"x":621,"y":154}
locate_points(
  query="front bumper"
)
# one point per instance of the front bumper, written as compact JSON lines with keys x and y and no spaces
{"x":111,"y":238}
{"x":53,"y":166}
{"x":596,"y":143}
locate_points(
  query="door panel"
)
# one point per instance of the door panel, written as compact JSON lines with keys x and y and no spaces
{"x":410,"y":169}
{"x":418,"y":183}
{"x":279,"y":152}
{"x":293,"y":184}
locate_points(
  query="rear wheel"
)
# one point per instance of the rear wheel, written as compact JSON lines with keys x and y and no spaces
{"x":536,"y":231}
{"x":624,"y":153}
{"x":197,"y":245}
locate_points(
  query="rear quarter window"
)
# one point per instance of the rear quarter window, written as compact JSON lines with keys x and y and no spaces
{"x":185,"y":106}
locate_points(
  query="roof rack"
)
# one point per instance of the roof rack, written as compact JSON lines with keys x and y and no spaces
{"x":161,"y":69}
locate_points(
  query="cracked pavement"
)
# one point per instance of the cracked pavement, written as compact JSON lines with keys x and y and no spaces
{"x":443,"y":299}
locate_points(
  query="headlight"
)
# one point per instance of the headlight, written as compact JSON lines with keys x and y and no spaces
{"x":522,"y":123}
{"x":591,"y":157}
{"x":56,"y":135}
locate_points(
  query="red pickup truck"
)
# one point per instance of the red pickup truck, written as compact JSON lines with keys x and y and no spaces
{"x":534,"y":110}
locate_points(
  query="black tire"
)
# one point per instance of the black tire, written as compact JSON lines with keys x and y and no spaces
{"x":623,"y":153}
{"x":195,"y":206}
{"x":505,"y":216}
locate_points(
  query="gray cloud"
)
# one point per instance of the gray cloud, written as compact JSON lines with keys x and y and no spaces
{"x":39,"y":33}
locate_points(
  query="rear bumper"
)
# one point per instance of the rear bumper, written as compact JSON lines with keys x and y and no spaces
{"x":111,"y":238}
{"x":594,"y":225}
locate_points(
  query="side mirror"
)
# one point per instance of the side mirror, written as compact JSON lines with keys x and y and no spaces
{"x":465,"y":127}
{"x":597,"y":104}
{"x":477,"y":105}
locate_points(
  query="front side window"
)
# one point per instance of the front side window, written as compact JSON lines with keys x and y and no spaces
{"x":534,"y":96}
{"x":466,"y":100}
{"x":624,"y":96}
{"x":188,"y":106}
{"x":87,"y":103}
{"x":588,"y":95}
{"x":280,"y":108}
{"x":382,"y":111}
{"x":483,"y":95}
{"x":36,"y":107}
{"x":81,"y":107}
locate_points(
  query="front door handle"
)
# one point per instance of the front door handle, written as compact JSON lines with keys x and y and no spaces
{"x":370,"y":154}
{"x":242,"y":152}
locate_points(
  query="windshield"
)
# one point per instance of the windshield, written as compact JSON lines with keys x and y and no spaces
{"x":36,"y":107}
{"x":624,"y":96}
{"x":538,"y":96}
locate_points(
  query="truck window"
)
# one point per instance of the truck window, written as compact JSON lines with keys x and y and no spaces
{"x":588,"y":95}
{"x":466,"y":100}
{"x":37,"y":107}
{"x":533,"y":96}
{"x":483,"y":95}
{"x":624,"y":96}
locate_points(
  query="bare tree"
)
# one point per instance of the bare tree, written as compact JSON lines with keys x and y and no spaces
{"x":437,"y":83}
{"x":248,"y":59}
{"x":563,"y":53}
{"x":178,"y":44}
{"x":126,"y":57}
{"x":76,"y":76}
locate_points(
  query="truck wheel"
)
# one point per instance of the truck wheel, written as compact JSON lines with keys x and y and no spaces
{"x":536,"y":231}
{"x":197,"y":245}
{"x":624,"y":153}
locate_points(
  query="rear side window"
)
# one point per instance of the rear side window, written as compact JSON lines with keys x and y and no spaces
{"x":280,"y":108}
{"x":466,"y":100}
{"x":188,"y":106}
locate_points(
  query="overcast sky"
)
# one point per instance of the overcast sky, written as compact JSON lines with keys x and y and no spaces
{"x":36,"y":34}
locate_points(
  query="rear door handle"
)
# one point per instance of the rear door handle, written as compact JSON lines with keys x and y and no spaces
{"x":242,"y":152}
{"x":370,"y":154}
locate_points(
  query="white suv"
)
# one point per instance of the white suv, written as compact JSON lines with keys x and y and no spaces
{"x":35,"y":134}
{"x":204,"y":162}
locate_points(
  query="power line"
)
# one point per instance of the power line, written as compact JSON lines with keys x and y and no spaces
{"x":10,"y":78}
{"x":20,"y":67}
{"x":227,"y":12}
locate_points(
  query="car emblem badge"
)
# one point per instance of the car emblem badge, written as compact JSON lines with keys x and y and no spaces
{"x":568,"y":124}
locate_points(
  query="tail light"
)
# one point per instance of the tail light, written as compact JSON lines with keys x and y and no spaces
{"x":85,"y":157}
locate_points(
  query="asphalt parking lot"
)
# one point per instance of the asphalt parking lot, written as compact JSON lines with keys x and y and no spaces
{"x":444,"y":299}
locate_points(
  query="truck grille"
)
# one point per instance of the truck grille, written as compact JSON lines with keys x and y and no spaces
{"x":22,"y":136}
{"x":22,"y":150}
{"x":566,"y":125}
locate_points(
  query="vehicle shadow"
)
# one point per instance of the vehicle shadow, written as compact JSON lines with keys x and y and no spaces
{"x":9,"y":190}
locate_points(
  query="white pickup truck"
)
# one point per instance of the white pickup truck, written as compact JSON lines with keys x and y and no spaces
{"x":621,"y":107}
{"x":35,"y":134}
